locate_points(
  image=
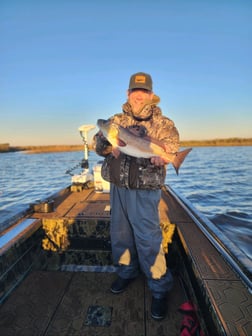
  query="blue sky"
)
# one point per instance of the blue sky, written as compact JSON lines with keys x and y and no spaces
{"x":67,"y":63}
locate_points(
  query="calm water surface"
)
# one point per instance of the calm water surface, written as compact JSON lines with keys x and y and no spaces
{"x":216,"y":180}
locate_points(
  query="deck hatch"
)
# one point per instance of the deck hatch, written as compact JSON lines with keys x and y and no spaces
{"x":98,"y":316}
{"x":90,"y":210}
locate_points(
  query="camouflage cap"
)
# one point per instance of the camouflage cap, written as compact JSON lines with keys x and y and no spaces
{"x":140,"y":80}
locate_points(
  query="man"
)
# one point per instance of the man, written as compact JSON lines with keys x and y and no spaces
{"x":135,"y":193}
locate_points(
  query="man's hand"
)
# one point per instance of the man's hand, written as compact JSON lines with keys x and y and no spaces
{"x":116,"y":152}
{"x":158,"y":161}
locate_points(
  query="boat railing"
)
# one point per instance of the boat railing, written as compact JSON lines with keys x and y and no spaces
{"x":218,"y":239}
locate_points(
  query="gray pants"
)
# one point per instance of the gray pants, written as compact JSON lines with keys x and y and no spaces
{"x":137,"y":238}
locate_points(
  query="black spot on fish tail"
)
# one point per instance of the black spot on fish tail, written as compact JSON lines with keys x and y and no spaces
{"x":179,"y":158}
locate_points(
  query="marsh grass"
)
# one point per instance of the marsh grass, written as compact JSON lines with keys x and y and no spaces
{"x":72,"y":148}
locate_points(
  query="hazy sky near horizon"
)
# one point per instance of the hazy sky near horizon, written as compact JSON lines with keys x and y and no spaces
{"x":67,"y":63}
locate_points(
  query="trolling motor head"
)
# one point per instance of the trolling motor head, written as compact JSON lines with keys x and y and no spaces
{"x":84,"y":129}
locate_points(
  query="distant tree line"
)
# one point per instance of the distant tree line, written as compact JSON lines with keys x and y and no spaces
{"x":218,"y":142}
{"x":4,"y":147}
{"x":67,"y":148}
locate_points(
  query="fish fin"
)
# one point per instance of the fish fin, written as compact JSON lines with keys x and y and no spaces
{"x":179,"y":158}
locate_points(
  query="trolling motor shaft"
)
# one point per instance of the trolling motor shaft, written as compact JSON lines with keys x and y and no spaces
{"x":85,"y":175}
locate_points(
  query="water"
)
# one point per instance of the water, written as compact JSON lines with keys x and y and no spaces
{"x":216,"y":180}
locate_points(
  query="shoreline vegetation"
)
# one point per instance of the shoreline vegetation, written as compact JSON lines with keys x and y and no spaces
{"x":6,"y":148}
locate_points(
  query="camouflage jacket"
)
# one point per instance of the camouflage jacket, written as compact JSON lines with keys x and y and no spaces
{"x":138,"y":173}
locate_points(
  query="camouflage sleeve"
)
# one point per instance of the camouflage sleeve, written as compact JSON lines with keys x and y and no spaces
{"x":101,"y":145}
{"x":168,"y":133}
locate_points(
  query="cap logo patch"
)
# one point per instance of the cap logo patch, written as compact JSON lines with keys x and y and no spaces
{"x":140,"y":79}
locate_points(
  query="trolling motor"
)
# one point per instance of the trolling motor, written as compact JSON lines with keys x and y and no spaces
{"x":85,"y":175}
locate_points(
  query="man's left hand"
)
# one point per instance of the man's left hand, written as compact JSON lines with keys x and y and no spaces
{"x":158,"y":161}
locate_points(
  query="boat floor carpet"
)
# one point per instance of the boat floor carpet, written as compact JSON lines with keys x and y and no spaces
{"x":80,"y":303}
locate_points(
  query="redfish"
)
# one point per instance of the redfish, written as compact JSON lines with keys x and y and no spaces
{"x":137,"y":145}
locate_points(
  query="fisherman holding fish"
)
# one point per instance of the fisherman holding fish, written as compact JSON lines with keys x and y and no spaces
{"x":136,"y":179}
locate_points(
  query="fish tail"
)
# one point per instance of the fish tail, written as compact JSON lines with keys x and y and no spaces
{"x":179,"y":158}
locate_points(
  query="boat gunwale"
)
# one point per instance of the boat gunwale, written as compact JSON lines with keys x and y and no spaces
{"x":222,"y":244}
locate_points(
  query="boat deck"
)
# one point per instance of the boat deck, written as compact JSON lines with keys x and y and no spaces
{"x":57,"y":270}
{"x":80,"y":303}
{"x":70,"y":294}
